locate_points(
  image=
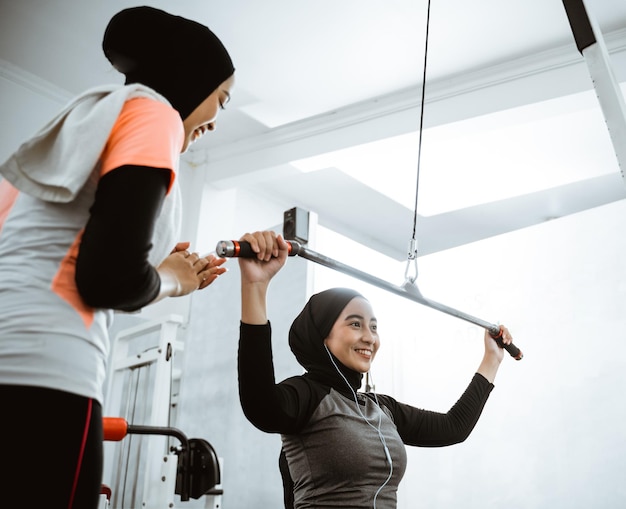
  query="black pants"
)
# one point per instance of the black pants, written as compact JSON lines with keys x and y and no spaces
{"x":51,"y":443}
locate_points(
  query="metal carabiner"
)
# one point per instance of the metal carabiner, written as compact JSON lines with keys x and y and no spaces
{"x":411,"y":263}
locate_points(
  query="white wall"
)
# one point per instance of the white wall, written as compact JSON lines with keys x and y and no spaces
{"x":26,"y":104}
{"x":552,"y":432}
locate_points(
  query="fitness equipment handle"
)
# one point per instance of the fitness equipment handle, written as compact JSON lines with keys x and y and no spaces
{"x":242,"y":249}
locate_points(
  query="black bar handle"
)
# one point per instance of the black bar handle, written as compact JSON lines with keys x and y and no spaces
{"x":242,"y":249}
{"x":514,"y":352}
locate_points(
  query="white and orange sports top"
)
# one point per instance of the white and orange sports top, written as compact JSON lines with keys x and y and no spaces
{"x":48,"y":336}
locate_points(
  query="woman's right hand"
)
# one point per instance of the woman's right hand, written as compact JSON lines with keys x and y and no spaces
{"x":271,"y":254}
{"x":256,"y":273}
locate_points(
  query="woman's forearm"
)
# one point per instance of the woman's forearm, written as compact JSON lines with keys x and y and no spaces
{"x":489,"y":367}
{"x":253,"y":303}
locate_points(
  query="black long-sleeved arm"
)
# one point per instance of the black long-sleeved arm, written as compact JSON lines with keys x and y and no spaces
{"x":273,"y":408}
{"x":112,"y":267}
{"x":426,"y":428}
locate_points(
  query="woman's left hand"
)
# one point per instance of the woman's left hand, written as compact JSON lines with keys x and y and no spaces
{"x":494,"y":354}
{"x":492,"y":347}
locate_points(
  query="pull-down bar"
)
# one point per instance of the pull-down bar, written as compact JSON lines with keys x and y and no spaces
{"x":233,"y":248}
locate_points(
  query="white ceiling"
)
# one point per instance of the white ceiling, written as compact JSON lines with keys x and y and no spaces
{"x":326,"y":107}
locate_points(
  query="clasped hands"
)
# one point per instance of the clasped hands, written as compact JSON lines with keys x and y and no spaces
{"x":191,"y":271}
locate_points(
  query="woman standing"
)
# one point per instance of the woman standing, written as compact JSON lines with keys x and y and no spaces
{"x":342,"y":448}
{"x":89,"y":219}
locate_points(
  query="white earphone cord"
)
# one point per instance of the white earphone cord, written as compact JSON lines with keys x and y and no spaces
{"x":377,"y":429}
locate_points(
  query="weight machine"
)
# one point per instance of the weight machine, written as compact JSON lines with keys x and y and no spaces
{"x":148,"y":474}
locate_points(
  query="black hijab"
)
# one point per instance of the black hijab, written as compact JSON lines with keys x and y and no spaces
{"x":180,"y":59}
{"x":308,"y":332}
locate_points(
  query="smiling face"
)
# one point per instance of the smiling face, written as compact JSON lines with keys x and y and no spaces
{"x":354,"y":337}
{"x":202,"y":119}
